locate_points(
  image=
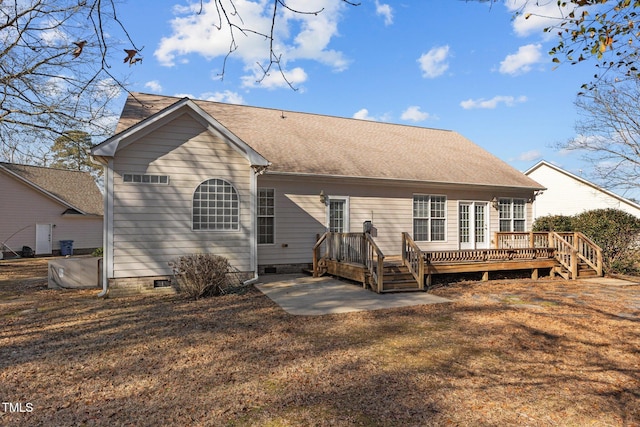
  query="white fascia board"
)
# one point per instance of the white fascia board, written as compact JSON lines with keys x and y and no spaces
{"x":109,"y":147}
{"x":583,"y":181}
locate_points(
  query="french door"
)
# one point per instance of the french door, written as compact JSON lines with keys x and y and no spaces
{"x":473,"y":229}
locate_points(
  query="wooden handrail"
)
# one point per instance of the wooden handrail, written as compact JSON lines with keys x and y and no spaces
{"x":316,"y":255}
{"x":413,"y":259}
{"x":565,"y":253}
{"x":589,"y":252}
{"x":377,"y":273}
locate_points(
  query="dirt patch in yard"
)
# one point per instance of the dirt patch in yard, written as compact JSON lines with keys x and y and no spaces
{"x":514,"y":352}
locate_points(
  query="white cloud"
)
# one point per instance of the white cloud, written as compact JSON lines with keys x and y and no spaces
{"x":434,"y":63}
{"x":535,"y":16}
{"x":492,"y":103}
{"x":298,"y":36}
{"x":226,"y":96}
{"x":530,"y":156}
{"x":274,"y":79}
{"x":385,"y":11}
{"x":521,"y":61}
{"x":414,"y":114}
{"x":363,"y":114}
{"x":154,"y":85}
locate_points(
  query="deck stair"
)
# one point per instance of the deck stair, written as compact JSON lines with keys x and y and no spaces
{"x":584,"y":270}
{"x":357,"y":257}
{"x":397,"y":277}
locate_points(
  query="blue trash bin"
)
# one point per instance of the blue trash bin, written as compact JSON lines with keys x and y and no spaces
{"x":66,"y":247}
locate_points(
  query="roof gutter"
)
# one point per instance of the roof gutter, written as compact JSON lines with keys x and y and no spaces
{"x":402,"y":181}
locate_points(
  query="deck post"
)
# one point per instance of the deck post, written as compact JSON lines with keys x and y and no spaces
{"x":574,"y":263}
{"x":534,"y":274}
{"x":599,"y":263}
{"x":421,"y":273}
{"x":485,"y":276}
{"x":532,"y":241}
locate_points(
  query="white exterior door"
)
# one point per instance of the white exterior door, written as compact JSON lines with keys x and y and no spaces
{"x":473,"y":230}
{"x":43,"y":239}
{"x":338,"y":214}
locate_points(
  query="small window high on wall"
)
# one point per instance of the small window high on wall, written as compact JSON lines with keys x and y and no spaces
{"x":216,"y":206}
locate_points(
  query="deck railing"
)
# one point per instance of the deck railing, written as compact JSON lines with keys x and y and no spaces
{"x":566,"y":254}
{"x":375,"y":262}
{"x":516,"y":239}
{"x":484,"y":255}
{"x":569,"y":247}
{"x":317,"y":257}
{"x":413,"y":258}
{"x":356,"y":248}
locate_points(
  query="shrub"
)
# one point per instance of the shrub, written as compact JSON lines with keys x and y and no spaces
{"x":98,"y":252}
{"x":202,"y":275}
{"x":558,"y":223}
{"x":616,"y":232}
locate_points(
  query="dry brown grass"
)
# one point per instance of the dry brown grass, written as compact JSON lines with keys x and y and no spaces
{"x":505,"y":353}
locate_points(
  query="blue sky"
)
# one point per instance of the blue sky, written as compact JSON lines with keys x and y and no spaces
{"x":464,"y":66}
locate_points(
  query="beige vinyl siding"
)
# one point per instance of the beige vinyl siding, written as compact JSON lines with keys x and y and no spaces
{"x":24,"y":206}
{"x":152,"y":223}
{"x":300,"y":215}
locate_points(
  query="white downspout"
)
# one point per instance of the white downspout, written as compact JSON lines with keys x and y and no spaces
{"x":256,"y":170}
{"x":107,"y":223}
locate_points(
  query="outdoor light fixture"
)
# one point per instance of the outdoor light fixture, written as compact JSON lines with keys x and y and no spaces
{"x":323,"y":198}
{"x":494,"y":203}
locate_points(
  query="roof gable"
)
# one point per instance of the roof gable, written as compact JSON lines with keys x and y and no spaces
{"x":154,"y":119}
{"x":545,"y":164}
{"x":73,"y":189}
{"x":312,"y":144}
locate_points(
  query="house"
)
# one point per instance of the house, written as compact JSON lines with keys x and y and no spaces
{"x":43,"y":206}
{"x":568,"y":194}
{"x":259,"y":186}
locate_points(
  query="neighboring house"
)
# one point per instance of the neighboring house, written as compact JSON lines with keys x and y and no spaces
{"x":260,"y":185}
{"x":42,"y":206}
{"x":569,"y":194}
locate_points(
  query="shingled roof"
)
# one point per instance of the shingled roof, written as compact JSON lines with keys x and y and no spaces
{"x":312,"y":144}
{"x":77,"y":190}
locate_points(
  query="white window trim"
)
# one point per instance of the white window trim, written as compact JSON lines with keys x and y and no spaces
{"x":347,"y":225}
{"x":258,"y":216}
{"x":487,"y":220}
{"x":142,"y":177}
{"x":512,"y":216}
{"x":231,"y":230}
{"x":446,"y":217}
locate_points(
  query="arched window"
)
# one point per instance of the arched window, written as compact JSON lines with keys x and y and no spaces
{"x":216,"y":206}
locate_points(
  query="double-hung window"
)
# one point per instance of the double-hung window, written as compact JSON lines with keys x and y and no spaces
{"x":512,"y":214}
{"x":429,"y":218}
{"x":266,"y":215}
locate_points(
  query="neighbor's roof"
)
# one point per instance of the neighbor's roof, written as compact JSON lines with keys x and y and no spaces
{"x":77,"y":190}
{"x":303,"y":143}
{"x":544,"y":163}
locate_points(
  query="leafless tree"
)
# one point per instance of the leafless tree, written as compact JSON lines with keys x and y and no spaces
{"x":55,"y":71}
{"x":608,"y":132}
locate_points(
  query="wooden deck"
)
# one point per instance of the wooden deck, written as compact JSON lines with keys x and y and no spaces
{"x":355,"y":256}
